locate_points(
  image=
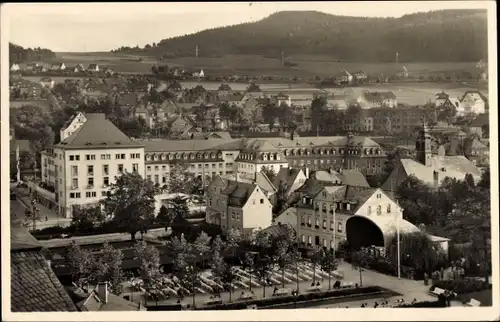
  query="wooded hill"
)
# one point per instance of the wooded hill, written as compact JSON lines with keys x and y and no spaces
{"x":19,"y":54}
{"x":437,"y":36}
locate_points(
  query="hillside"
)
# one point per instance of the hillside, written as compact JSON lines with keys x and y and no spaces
{"x":19,"y":54}
{"x":438,"y":36}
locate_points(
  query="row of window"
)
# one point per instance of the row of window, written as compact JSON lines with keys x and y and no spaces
{"x":340,"y":227}
{"x":92,"y":157}
{"x":88,"y":194}
{"x":192,"y":166}
{"x":184,"y":156}
{"x":261,"y":156}
{"x":333,"y":151}
{"x":317,"y":241}
{"x":105,"y":169}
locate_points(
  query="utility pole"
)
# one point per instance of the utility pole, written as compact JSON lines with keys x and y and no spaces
{"x":197,"y":51}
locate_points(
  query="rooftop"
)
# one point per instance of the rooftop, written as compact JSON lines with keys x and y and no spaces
{"x":97,"y":132}
{"x":34,"y":286}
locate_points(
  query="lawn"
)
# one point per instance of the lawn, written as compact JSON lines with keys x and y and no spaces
{"x":307,"y":65}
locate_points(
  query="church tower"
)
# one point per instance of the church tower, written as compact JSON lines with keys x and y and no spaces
{"x":424,"y":146}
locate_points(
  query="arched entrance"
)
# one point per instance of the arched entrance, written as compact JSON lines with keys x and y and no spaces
{"x":363,"y":232}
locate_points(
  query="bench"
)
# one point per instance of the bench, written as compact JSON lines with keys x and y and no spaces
{"x":473,"y":303}
{"x":314,"y":289}
{"x":213,"y":301}
{"x":437,"y":291}
{"x":282,"y":292}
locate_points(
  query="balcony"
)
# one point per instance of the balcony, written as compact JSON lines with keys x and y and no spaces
{"x":309,"y":225}
{"x":90,"y":186}
{"x":316,"y":226}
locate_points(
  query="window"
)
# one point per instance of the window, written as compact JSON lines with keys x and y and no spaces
{"x":379,"y":210}
{"x":156,"y":168}
{"x":309,"y":240}
{"x":148,"y":168}
{"x":91,"y":194}
{"x":389,"y":209}
{"x":324,"y":243}
{"x":90,"y":170}
{"x":90,"y":157}
{"x":135,"y":167}
{"x":74,"y":195}
{"x":74,"y":170}
{"x":71,"y":158}
{"x":302,"y":220}
{"x":324,"y":224}
{"x":135,"y":155}
{"x":148,"y":177}
{"x":105,"y":169}
{"x":157,"y":178}
{"x":104,"y":193}
{"x":309,"y":221}
{"x":105,"y":156}
{"x":120,"y":168}
{"x":74,"y":183}
{"x":261,"y":201}
{"x":339,"y":227}
{"x":164,"y":179}
{"x":105,"y":181}
{"x":369,"y":210}
{"x":303,"y":238}
{"x":317,"y":223}
{"x":332,"y":226}
{"x":90,"y":182}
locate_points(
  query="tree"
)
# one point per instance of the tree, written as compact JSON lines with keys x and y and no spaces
{"x":263,"y":262}
{"x":284,"y":258}
{"x":180,"y":180}
{"x":329,"y":264}
{"x":86,"y":219}
{"x":417,"y":251}
{"x":176,"y":207}
{"x":149,"y":264}
{"x":281,"y":197}
{"x":418,"y":201}
{"x":315,"y":256}
{"x":76,"y":261}
{"x":112,"y":260}
{"x":269,"y":172}
{"x":130,"y":203}
{"x":484,"y":183}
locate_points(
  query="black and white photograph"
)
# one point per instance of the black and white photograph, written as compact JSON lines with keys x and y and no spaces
{"x":206,"y":158}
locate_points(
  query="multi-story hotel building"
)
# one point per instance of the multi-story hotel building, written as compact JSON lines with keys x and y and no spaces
{"x":87,"y":160}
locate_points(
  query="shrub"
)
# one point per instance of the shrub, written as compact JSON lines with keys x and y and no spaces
{"x":462,"y":286}
{"x":437,"y":303}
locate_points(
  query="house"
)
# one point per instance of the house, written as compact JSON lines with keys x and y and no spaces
{"x":100,"y":299}
{"x":242,"y":206}
{"x":199,"y":93}
{"x":287,"y":217}
{"x":259,"y":178}
{"x":181,"y":124}
{"x":47,"y":82}
{"x":476,"y":151}
{"x":343,"y":78}
{"x":378,"y":99}
{"x":360,"y":76}
{"x":39,"y":69}
{"x":72,"y":125}
{"x":256,"y":154}
{"x":58,"y":67}
{"x":430,"y":169}
{"x":108,"y":71}
{"x":175,"y":87}
{"x":224,"y":89}
{"x":444,"y":100}
{"x":479,"y":124}
{"x":289,"y":179}
{"x":15,"y":68}
{"x":199,"y":74}
{"x":93,"y":68}
{"x":253,"y":90}
{"x":79,"y":68}
{"x":232,"y":99}
{"x":31,"y":66}
{"x":282,"y":98}
{"x":94,"y":143}
{"x":34,"y":286}
{"x":473,"y":102}
{"x":146,"y":115}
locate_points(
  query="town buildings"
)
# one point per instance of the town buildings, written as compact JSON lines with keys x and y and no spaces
{"x":429,"y":168}
{"x":472,"y":102}
{"x":92,"y":152}
{"x":243,"y":206}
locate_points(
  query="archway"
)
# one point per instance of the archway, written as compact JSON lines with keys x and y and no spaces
{"x":363,"y":232}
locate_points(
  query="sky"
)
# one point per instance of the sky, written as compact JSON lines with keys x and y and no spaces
{"x":80,"y":27}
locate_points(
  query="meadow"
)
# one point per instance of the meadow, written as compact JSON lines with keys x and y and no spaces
{"x":253,"y":65}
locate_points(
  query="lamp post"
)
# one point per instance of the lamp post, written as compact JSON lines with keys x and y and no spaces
{"x":398,"y":241}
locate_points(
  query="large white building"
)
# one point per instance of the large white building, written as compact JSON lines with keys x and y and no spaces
{"x":91,"y":154}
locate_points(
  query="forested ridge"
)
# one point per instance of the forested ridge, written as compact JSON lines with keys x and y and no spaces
{"x":446,"y":35}
{"x":19,"y":54}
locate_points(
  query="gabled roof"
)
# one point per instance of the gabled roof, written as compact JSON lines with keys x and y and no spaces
{"x":278,"y":230}
{"x":442,"y":95}
{"x":287,"y":176}
{"x":93,"y":66}
{"x":253,"y":88}
{"x":114,"y":303}
{"x":238,"y":192}
{"x":191,"y":145}
{"x":34,"y":286}
{"x":354,"y":178}
{"x":224,"y":87}
{"x":97,"y":132}
{"x":478,"y":93}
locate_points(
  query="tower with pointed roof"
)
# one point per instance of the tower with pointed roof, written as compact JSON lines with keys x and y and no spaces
{"x":423,"y":146}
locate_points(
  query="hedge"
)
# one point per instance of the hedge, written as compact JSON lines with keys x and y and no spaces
{"x":462,"y":286}
{"x":429,"y":304}
{"x":272,"y":301}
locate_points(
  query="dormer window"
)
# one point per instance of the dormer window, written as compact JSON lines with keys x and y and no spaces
{"x":348,"y":206}
{"x":155,"y":157}
{"x":170,"y":156}
{"x":148,"y":157}
{"x":388,"y":208}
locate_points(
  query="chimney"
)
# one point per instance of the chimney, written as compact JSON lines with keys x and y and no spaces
{"x":436,"y":179}
{"x":102,"y":292}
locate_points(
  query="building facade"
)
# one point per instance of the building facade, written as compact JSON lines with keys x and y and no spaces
{"x":83,"y":165}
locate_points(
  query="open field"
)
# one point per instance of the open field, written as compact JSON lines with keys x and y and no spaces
{"x":307,"y":66}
